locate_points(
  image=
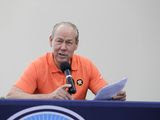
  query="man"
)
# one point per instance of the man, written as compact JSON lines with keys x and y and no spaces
{"x":43,"y":78}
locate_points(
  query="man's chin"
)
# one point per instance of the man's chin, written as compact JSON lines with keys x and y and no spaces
{"x":58,"y":61}
{"x":64,"y":60}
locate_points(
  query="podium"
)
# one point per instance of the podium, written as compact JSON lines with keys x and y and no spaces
{"x":78,"y":110}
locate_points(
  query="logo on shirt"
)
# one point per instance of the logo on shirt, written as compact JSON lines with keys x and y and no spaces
{"x":79,"y":82}
{"x":46,"y":112}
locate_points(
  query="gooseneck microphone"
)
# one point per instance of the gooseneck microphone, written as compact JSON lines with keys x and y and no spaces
{"x":65,"y":67}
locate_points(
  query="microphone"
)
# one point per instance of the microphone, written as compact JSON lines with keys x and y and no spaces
{"x":65,"y":68}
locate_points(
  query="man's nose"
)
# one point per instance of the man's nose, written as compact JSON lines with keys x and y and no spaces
{"x":63,"y":46}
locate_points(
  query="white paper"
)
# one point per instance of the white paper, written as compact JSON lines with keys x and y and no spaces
{"x":110,"y":90}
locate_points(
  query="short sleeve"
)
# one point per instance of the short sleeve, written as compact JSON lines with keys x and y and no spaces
{"x":27,"y":81}
{"x":96,"y":79}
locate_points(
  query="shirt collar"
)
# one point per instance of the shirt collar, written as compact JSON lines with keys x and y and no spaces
{"x":53,"y":66}
{"x":74,"y":64}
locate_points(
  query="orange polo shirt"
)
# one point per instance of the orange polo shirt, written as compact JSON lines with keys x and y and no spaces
{"x":42,"y":76}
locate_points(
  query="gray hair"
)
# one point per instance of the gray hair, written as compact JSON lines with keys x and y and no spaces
{"x":67,"y":23}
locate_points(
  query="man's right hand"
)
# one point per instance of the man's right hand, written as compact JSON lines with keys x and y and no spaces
{"x":61,"y":93}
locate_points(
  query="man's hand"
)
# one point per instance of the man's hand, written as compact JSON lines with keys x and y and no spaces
{"x":61,"y":93}
{"x":120,"y":96}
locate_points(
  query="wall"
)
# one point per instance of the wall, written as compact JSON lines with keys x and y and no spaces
{"x":121,"y":37}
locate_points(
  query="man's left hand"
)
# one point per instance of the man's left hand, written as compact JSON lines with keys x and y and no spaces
{"x":120,"y":96}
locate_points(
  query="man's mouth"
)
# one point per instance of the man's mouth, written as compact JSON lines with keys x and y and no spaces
{"x":62,"y":55}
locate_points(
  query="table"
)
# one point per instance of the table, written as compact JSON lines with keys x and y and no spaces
{"x":78,"y":110}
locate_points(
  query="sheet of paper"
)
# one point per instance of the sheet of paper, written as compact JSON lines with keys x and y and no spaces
{"x":110,"y":90}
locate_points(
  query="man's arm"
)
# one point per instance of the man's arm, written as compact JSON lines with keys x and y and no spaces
{"x":59,"y":93}
{"x":97,"y":82}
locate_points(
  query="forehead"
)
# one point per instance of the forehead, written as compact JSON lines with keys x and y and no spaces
{"x":65,"y":31}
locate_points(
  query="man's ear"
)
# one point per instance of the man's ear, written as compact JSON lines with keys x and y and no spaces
{"x":50,"y":40}
{"x":77,"y":44}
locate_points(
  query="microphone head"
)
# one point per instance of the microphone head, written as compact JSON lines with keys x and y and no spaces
{"x":64,"y":66}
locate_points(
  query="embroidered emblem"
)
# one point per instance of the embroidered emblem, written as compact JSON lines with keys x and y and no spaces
{"x":79,"y":82}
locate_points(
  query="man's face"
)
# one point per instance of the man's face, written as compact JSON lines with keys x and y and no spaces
{"x":64,"y":43}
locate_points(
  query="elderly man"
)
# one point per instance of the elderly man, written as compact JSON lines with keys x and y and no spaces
{"x":43,"y":78}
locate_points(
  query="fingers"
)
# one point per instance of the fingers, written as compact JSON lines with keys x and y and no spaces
{"x":121,"y":93}
{"x":66,"y":86}
{"x":61,"y":93}
{"x":120,"y":96}
{"x":64,"y":94}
